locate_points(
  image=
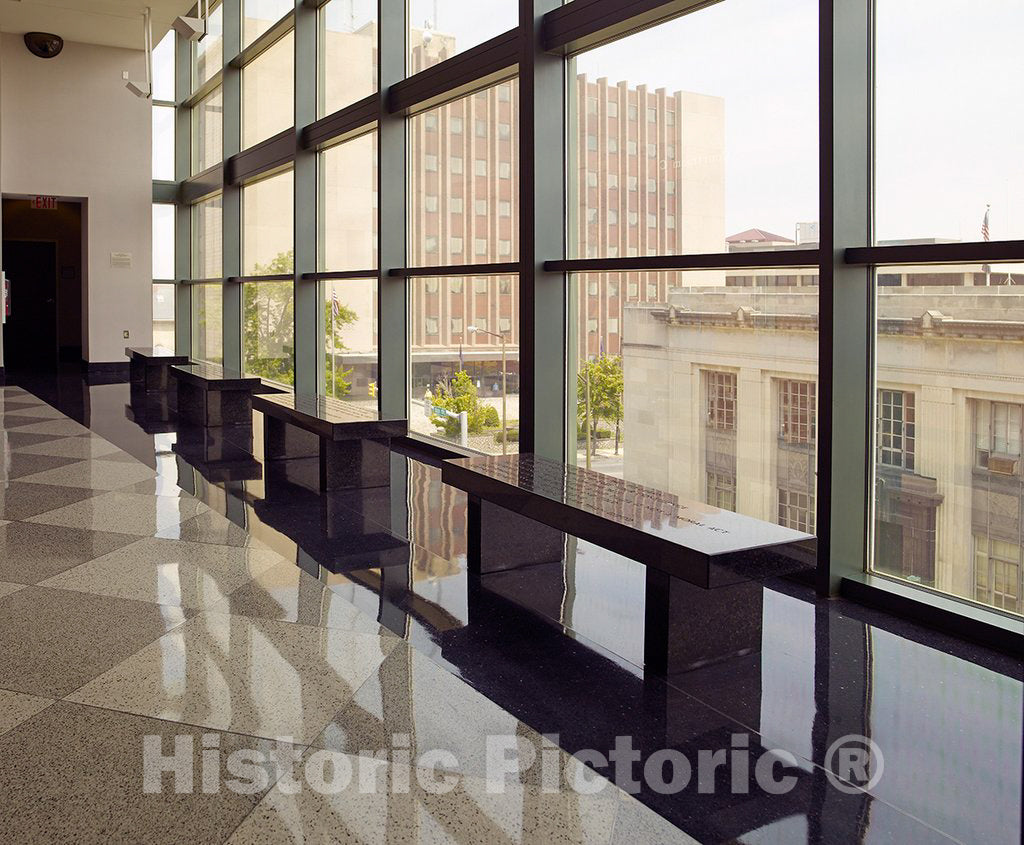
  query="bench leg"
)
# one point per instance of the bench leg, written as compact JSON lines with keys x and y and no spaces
{"x":191,"y":403}
{"x":137,"y":368}
{"x":282,"y":441}
{"x":353,"y":464}
{"x":157,"y":377}
{"x":686,"y":627}
{"x":228,"y":407}
{"x":499,"y":539}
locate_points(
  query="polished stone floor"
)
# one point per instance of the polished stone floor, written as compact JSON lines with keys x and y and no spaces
{"x":154,"y":584}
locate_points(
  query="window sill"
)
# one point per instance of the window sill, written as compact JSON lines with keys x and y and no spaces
{"x":946,"y":613}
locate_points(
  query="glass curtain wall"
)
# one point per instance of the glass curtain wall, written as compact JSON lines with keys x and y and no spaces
{"x":696,"y":137}
{"x":268,"y":305}
{"x":701,"y":384}
{"x":948,"y":468}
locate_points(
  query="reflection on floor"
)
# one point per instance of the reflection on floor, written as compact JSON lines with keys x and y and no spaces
{"x":152,"y":582}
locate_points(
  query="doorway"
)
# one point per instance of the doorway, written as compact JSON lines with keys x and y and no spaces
{"x":30,"y":333}
{"x":43,"y":258}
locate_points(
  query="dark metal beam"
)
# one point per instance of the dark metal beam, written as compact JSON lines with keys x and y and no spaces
{"x":502,"y":269}
{"x":583,"y":24}
{"x":480,"y":67}
{"x":957,"y":253}
{"x":705,"y":261}
{"x":263,"y":158}
{"x":202,"y":185}
{"x":342,"y":125}
{"x":339,"y":275}
{"x":265,"y":41}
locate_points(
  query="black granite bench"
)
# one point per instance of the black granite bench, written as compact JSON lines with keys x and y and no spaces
{"x":352,"y":443}
{"x":209,"y":395}
{"x":704,"y":565}
{"x":150,"y":365}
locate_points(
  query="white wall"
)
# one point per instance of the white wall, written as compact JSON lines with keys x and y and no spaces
{"x":69,"y":127}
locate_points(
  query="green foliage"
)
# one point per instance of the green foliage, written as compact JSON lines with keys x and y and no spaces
{"x":606,"y":391}
{"x":459,"y":395}
{"x":512,"y":436}
{"x":268,"y":314}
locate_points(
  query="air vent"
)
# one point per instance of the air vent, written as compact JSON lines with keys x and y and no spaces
{"x":1002,"y":464}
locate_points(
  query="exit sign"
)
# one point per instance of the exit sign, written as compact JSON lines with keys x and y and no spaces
{"x":44,"y":203}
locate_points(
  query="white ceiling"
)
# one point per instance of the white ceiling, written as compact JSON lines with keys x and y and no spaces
{"x":114,"y":23}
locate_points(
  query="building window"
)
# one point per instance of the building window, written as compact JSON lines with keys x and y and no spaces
{"x":613,"y":325}
{"x":591,"y":179}
{"x":670,"y":221}
{"x":797,"y":411}
{"x":455,"y":123}
{"x":592,"y":288}
{"x":652,"y":150}
{"x":652,"y":221}
{"x":456,"y":245}
{"x":652,"y":290}
{"x":455,"y":165}
{"x":430,"y":243}
{"x":480,"y":246}
{"x":670,"y":186}
{"x":631,"y":111}
{"x":613,"y":145}
{"x":670,"y":118}
{"x":504,"y":131}
{"x":480,"y":207}
{"x":456,"y":324}
{"x":481,"y":129}
{"x":430,"y":324}
{"x":430,"y":163}
{"x":504,"y":170}
{"x":652,"y":186}
{"x":430,"y":203}
{"x":591,"y":215}
{"x":631,"y":147}
{"x":997,"y":573}
{"x":455,"y":285}
{"x":430,"y":122}
{"x":721,"y":399}
{"x":504,"y":248}
{"x":796,"y":510}
{"x":613,"y":181}
{"x":720,"y":490}
{"x":613,"y":217}
{"x":613,"y":108}
{"x":591,"y":142}
{"x":632,"y":183}
{"x":896,"y":429}
{"x":480,"y":167}
{"x":504,"y":286}
{"x":504,"y":208}
{"x":998,"y":436}
{"x":632,"y":217}
{"x":504,"y":325}
{"x":431,"y":285}
{"x":457,"y":205}
{"x":480,"y":286}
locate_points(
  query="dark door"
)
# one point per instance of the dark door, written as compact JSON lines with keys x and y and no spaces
{"x":30,"y":334}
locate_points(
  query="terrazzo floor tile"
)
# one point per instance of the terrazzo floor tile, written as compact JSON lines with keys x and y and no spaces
{"x":34,"y":410}
{"x":377,"y":808}
{"x":94,"y":475}
{"x":76,"y":774}
{"x":125,"y":513}
{"x":31,"y":552}
{"x":53,"y":641}
{"x":211,"y":527}
{"x":172,"y":572}
{"x":288,"y":594}
{"x":70,"y":447}
{"x":62,"y":427}
{"x":16,"y":707}
{"x":17,"y":464}
{"x":458,"y":720}
{"x":251,"y":676}
{"x":20,"y":500}
{"x":13,"y":422}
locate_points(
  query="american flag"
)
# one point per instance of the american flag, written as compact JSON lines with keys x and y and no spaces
{"x":335,"y":305}
{"x":984,"y":225}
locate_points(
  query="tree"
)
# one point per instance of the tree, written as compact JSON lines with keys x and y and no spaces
{"x":606,"y":390}
{"x":269,"y":317}
{"x":457,"y":395}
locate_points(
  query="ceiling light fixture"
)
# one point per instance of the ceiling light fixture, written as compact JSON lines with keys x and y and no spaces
{"x":143,"y":89}
{"x":193,"y":29}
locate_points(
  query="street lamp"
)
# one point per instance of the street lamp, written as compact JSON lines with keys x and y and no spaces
{"x":504,"y":394}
